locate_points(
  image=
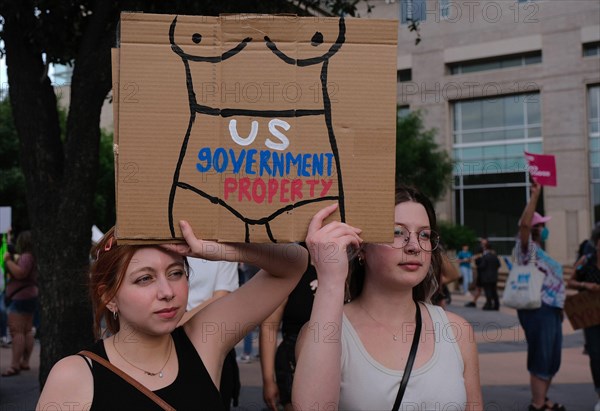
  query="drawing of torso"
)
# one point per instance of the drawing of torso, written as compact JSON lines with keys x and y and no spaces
{"x":258,"y":171}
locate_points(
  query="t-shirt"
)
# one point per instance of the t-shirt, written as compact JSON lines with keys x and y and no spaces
{"x":299,"y":304}
{"x":438,"y":384}
{"x":206,"y":277}
{"x":553,"y":287}
{"x":464,"y":254}
{"x":25,"y":288}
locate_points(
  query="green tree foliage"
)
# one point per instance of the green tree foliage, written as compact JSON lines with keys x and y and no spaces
{"x":12,"y":181}
{"x":419,"y":160}
{"x":455,"y":236}
{"x":104,"y":198}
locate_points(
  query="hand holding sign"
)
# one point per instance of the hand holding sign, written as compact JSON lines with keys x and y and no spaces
{"x":542,"y":168}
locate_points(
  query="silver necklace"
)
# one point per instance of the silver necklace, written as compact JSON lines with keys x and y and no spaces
{"x":152,"y":374}
{"x":394,"y":335}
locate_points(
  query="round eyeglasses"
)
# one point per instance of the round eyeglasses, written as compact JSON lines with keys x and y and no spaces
{"x":428,"y":239}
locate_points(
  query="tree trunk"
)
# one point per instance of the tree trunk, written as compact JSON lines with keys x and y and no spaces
{"x":60,"y":176}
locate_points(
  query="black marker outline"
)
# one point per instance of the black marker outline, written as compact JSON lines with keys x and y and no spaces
{"x":229,"y":112}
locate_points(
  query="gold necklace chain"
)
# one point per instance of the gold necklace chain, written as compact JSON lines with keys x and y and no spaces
{"x":394,"y":335}
{"x":152,"y":374}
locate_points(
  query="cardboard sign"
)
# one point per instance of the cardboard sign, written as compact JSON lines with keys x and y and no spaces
{"x":583,"y":309}
{"x":542,"y":168}
{"x":247,"y":125}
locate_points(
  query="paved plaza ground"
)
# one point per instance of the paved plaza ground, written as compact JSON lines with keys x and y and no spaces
{"x":502,"y":357}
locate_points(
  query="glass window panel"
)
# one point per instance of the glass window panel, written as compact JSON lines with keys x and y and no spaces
{"x":471,"y":114}
{"x":515,"y":134}
{"x":594,"y":143}
{"x":493,"y":135}
{"x":493,"y":152}
{"x":534,"y":132}
{"x":493,"y":113}
{"x":471,"y":153}
{"x":594,"y":103}
{"x":471,"y":137}
{"x":595,"y":158}
{"x":535,"y":148}
{"x":483,"y":66}
{"x":594,"y":127}
{"x":596,"y":173}
{"x":533,"y":59}
{"x":512,"y":62}
{"x":494,"y":212}
{"x":533,"y":109}
{"x":513,"y":112}
{"x":513,"y":150}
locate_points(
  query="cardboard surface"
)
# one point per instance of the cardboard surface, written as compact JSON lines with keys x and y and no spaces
{"x":583,"y":309}
{"x":246,"y":125}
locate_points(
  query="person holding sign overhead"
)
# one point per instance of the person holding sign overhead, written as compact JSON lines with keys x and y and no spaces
{"x":543,"y":330}
{"x":358,"y":356}
{"x":141,"y":292}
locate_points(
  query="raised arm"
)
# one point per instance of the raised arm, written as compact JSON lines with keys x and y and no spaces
{"x":267,"y":346}
{"x":318,"y":350}
{"x":216,"y":329}
{"x":527,"y":216}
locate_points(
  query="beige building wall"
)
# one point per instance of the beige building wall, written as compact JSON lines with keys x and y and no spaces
{"x":482,"y":29}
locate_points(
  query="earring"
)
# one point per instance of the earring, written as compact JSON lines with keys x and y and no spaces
{"x":115,"y":314}
{"x":361,"y":260}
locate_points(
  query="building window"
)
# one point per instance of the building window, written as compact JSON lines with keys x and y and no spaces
{"x":591,"y":49}
{"x":490,"y":178}
{"x":412,"y":11}
{"x":444,"y":8}
{"x":495,"y":63}
{"x":594,"y":133}
{"x":403,"y":111}
{"x":404,"y":75}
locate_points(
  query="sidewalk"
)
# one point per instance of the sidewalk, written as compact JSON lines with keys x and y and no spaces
{"x":502,"y":358}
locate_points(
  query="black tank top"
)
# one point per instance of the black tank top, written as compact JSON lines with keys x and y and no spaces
{"x":299,"y":305}
{"x":193,"y":388}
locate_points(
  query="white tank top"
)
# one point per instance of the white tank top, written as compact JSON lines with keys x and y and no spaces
{"x":437,"y":385}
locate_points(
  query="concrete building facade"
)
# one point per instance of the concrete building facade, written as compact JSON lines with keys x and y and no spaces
{"x":497,"y":78}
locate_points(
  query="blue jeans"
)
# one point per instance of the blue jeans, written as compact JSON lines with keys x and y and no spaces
{"x":248,"y":343}
{"x":467,"y":275}
{"x":23,"y":306}
{"x":3,"y":317}
{"x":543,"y":331}
{"x":592,"y":344}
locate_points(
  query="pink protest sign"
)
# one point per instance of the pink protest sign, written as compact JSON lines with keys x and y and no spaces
{"x":542,"y":168}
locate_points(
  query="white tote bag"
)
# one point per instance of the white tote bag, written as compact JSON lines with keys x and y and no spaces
{"x":523,"y":289}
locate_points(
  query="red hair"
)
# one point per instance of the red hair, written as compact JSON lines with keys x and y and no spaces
{"x":106,"y":275}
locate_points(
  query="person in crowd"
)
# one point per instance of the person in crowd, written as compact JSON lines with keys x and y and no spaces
{"x":542,"y":326}
{"x":587,"y":279}
{"x":245,"y":273}
{"x":279,"y":362}
{"x":22,"y":293}
{"x":209,"y":281}
{"x":464,"y":258}
{"x":487,"y":269}
{"x":354,"y":356}
{"x":483,"y":243}
{"x":448,"y":274}
{"x":142,"y":291}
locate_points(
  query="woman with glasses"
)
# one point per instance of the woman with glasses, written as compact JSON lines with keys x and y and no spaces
{"x":355,"y":356}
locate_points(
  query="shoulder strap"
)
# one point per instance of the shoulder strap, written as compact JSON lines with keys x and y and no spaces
{"x":411,"y":359}
{"x":159,"y":401}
